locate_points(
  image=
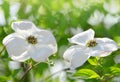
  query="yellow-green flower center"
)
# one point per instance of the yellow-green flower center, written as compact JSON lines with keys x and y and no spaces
{"x":91,"y":43}
{"x":31,"y":39}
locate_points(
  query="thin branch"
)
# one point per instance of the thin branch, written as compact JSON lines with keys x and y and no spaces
{"x":47,"y":78}
{"x":107,"y":78}
{"x":31,"y":66}
{"x":2,"y":50}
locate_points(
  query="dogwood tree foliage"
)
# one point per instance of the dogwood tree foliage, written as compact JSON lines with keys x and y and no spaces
{"x":46,"y":40}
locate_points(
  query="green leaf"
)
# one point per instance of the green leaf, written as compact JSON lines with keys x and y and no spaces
{"x":93,"y":61}
{"x":2,"y":34}
{"x":115,"y":70}
{"x":86,"y":74}
{"x":4,"y":78}
{"x":117,"y":39}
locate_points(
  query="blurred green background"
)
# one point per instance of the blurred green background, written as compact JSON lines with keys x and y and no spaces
{"x":64,"y":18}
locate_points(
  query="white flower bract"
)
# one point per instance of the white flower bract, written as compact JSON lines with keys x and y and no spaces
{"x":29,"y":42}
{"x":96,"y":18}
{"x":86,"y":46}
{"x":110,"y":20}
{"x":113,"y":7}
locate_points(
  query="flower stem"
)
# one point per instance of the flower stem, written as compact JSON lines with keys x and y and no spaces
{"x":47,"y":78}
{"x":2,"y":50}
{"x":106,"y":79}
{"x":30,"y":67}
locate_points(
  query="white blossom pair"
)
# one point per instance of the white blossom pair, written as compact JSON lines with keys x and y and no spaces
{"x":38,"y":44}
{"x":86,"y":46}
{"x":29,"y":42}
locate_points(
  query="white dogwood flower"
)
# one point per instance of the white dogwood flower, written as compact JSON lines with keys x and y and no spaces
{"x":96,"y":18}
{"x":113,"y":7}
{"x":29,"y":42}
{"x":110,"y":20}
{"x":86,"y":46}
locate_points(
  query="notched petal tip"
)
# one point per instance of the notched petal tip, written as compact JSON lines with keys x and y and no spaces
{"x":22,"y":25}
{"x":21,"y":22}
{"x":91,"y":30}
{"x":69,"y":39}
{"x":83,"y":37}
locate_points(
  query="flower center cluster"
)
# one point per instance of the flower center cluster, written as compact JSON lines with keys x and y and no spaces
{"x":31,"y":39}
{"x":91,"y":43}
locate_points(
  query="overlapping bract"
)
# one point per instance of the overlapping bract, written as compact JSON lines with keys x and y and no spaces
{"x":20,"y":49}
{"x":78,"y":54}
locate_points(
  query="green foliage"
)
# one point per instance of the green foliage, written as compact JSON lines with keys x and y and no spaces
{"x":86,"y":74}
{"x":4,"y":78}
{"x":93,"y":61}
{"x":59,"y":16}
{"x":115,"y":70}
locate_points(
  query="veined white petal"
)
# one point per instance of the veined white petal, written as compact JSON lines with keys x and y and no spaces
{"x":16,"y":46}
{"x":82,"y":37}
{"x":76,"y":56}
{"x":98,"y":51}
{"x":11,"y":36}
{"x":45,"y":37}
{"x":22,"y":25}
{"x":24,"y":28}
{"x":40,"y":53}
{"x":107,"y":43}
{"x":104,"y":47}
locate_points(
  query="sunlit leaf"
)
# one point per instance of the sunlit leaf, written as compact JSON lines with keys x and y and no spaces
{"x":93,"y":61}
{"x":115,"y":70}
{"x":86,"y":74}
{"x":4,"y":78}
